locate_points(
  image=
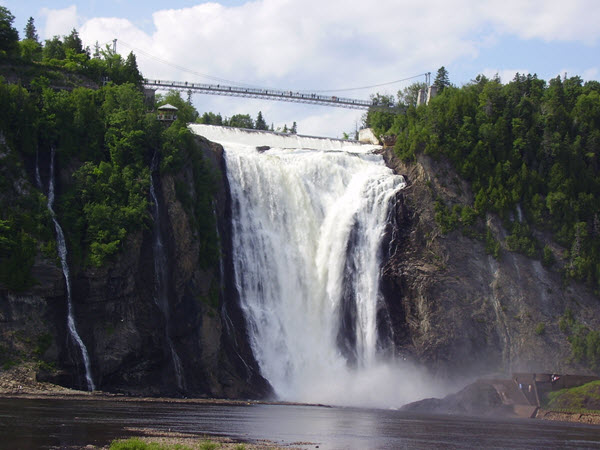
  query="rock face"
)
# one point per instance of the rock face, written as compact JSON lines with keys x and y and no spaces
{"x":123,"y":327}
{"x":452,"y":307}
{"x":477,"y":399}
{"x":460,"y":311}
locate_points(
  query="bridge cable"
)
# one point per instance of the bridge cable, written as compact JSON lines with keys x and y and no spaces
{"x":369,"y":87}
{"x":184,"y":69}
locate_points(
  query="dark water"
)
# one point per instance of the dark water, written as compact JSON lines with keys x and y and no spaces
{"x":70,"y":423}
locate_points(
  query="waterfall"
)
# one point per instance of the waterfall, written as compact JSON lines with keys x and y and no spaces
{"x":308,"y":220}
{"x":62,"y":253}
{"x":161,"y":284}
{"x":38,"y":178}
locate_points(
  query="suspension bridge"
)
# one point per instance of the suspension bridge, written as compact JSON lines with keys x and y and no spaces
{"x":263,"y":93}
{"x":268,"y":94}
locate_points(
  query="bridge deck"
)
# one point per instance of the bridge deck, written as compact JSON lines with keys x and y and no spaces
{"x":269,"y":94}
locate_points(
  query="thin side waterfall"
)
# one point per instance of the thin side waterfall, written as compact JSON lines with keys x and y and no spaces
{"x":38,"y":178}
{"x":161,"y":296}
{"x":309,"y":218}
{"x":62,"y":253}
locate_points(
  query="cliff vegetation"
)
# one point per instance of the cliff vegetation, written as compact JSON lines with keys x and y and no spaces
{"x":530,"y":150}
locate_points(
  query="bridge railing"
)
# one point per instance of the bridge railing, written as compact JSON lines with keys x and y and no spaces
{"x":263,"y":93}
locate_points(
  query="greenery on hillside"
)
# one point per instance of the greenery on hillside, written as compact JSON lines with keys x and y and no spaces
{"x":578,"y":399}
{"x":105,"y":138}
{"x":530,"y":150}
{"x":585,"y":343}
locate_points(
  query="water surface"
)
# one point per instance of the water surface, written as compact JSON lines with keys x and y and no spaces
{"x":73,"y":423}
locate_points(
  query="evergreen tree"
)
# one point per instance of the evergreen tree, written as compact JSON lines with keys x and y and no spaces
{"x":73,"y":42}
{"x":30,"y":31}
{"x":294,"y":129}
{"x":441,"y":79}
{"x":260,"y":122}
{"x":131,"y":72}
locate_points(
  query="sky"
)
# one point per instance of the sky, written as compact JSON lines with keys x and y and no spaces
{"x":317,"y":45}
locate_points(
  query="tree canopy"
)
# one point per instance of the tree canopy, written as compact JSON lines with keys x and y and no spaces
{"x":9,"y":36}
{"x":30,"y":30}
{"x":527,"y":146}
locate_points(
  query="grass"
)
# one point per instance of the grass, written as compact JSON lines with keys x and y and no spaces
{"x":585,"y":398}
{"x":139,"y":444}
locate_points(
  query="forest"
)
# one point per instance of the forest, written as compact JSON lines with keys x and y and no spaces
{"x":530,"y":150}
{"x":105,"y":138}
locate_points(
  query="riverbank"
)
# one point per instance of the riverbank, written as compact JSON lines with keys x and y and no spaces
{"x":19,"y":382}
{"x":178,"y":440}
{"x":562,"y":416}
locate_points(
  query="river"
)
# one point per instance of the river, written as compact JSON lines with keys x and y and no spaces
{"x":54,"y":423}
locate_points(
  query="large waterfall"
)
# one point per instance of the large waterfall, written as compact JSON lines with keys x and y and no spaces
{"x":308,"y":220}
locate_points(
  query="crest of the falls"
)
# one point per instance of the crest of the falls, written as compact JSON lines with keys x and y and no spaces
{"x":309,"y":217}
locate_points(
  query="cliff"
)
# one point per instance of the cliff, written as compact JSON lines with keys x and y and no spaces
{"x":118,"y":318}
{"x":454,"y":308}
{"x":459,"y":310}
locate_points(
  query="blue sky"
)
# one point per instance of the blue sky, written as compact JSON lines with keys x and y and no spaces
{"x":312,"y":44}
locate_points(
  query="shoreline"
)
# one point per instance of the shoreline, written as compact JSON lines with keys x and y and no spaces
{"x":20,"y":383}
{"x":588,"y":418}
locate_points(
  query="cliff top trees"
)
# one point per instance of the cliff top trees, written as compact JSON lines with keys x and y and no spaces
{"x":30,"y":31}
{"x":241,"y":121}
{"x":31,"y":49}
{"x":9,"y":36}
{"x":409,"y":95}
{"x":528,"y":148}
{"x":442,"y":80}
{"x":73,"y":42}
{"x":260,"y":123}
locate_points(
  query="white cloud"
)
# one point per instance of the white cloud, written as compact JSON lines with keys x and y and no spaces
{"x":316,"y":44}
{"x":550,"y":20}
{"x":590,"y":74}
{"x":59,"y":22}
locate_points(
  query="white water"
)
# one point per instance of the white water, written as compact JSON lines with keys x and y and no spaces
{"x":307,"y":231}
{"x":161,"y":287}
{"x":62,"y":253}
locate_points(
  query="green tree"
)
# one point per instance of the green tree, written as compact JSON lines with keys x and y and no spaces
{"x":241,"y":121}
{"x":260,"y":123}
{"x":185,"y":112}
{"x":210,"y":118}
{"x":131,"y":73}
{"x":30,"y":31}
{"x":9,"y":36}
{"x":73,"y":42}
{"x":53,"y":49}
{"x":442,"y":80}
{"x":30,"y":50}
{"x":294,"y":129}
{"x":409,"y":95}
